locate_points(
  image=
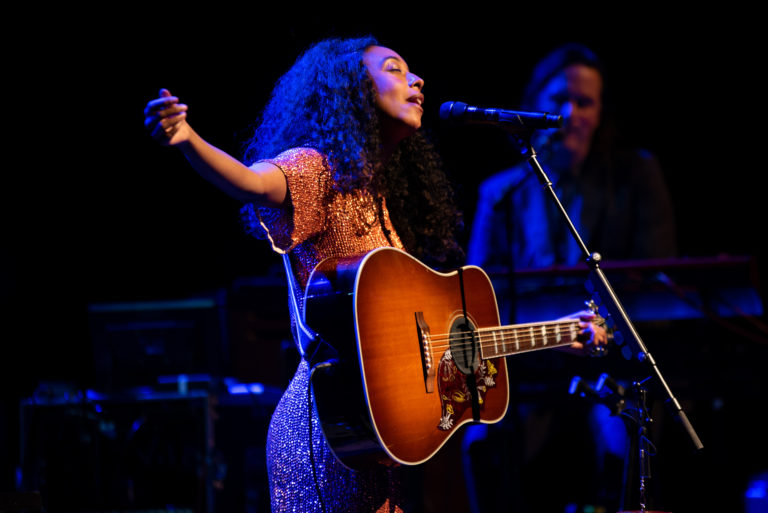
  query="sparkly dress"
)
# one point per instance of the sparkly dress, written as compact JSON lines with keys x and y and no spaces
{"x":319,"y":223}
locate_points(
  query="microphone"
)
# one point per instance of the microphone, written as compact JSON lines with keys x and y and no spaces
{"x":605,"y":381}
{"x":581,"y":388}
{"x":613,"y":399}
{"x":509,"y":119}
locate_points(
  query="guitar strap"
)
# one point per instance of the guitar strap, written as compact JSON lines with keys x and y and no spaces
{"x":308,"y":341}
{"x":470,"y":376}
{"x":303,"y":336}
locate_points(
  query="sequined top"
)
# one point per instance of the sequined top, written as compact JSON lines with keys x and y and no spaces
{"x":319,"y":222}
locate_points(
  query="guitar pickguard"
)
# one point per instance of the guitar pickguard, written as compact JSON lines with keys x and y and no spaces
{"x":455,"y":396}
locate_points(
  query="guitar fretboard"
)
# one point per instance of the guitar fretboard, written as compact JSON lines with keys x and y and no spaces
{"x":520,"y":338}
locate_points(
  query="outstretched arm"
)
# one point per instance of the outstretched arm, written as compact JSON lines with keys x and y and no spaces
{"x":262,"y":184}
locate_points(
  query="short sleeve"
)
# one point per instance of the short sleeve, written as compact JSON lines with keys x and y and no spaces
{"x":309,"y":187}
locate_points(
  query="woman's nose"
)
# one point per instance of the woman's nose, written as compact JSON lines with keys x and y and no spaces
{"x":415,"y":81}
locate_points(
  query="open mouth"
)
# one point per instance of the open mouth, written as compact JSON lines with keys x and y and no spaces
{"x":417,"y":99}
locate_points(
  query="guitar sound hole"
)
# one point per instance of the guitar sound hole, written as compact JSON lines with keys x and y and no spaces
{"x":464,"y":346}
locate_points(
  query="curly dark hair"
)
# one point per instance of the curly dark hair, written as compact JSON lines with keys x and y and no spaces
{"x":326,"y":101}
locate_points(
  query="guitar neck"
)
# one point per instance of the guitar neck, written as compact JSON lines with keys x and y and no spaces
{"x":521,"y":338}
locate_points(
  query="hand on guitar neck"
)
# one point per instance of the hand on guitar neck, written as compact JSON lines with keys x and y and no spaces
{"x":593,"y":338}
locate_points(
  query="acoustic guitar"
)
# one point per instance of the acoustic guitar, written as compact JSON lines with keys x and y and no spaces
{"x":408,"y":354}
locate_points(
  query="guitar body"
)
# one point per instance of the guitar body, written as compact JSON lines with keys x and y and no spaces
{"x":384,"y":397}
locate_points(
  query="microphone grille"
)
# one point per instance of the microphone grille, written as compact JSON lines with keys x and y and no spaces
{"x":452,"y":109}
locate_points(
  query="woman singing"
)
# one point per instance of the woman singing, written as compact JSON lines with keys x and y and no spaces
{"x":337,"y":166}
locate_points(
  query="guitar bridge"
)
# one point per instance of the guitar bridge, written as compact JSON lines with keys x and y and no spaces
{"x":425,"y":348}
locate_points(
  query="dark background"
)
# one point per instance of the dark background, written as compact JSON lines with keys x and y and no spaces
{"x":94,"y":212}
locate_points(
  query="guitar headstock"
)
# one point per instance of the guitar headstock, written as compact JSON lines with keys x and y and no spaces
{"x":603,"y":322}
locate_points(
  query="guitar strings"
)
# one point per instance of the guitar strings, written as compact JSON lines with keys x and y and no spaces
{"x":519,"y":344}
{"x":524,"y":336}
{"x":550,"y":329}
{"x":525,"y":330}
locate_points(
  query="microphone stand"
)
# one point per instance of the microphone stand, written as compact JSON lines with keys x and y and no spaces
{"x":626,"y":332}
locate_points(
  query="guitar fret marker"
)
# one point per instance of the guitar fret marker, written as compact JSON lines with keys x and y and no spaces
{"x":495,"y":344}
{"x":533,"y":336}
{"x":558,"y":338}
{"x":544,"y":334}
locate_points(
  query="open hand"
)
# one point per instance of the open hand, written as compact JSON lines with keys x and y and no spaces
{"x":165,"y":119}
